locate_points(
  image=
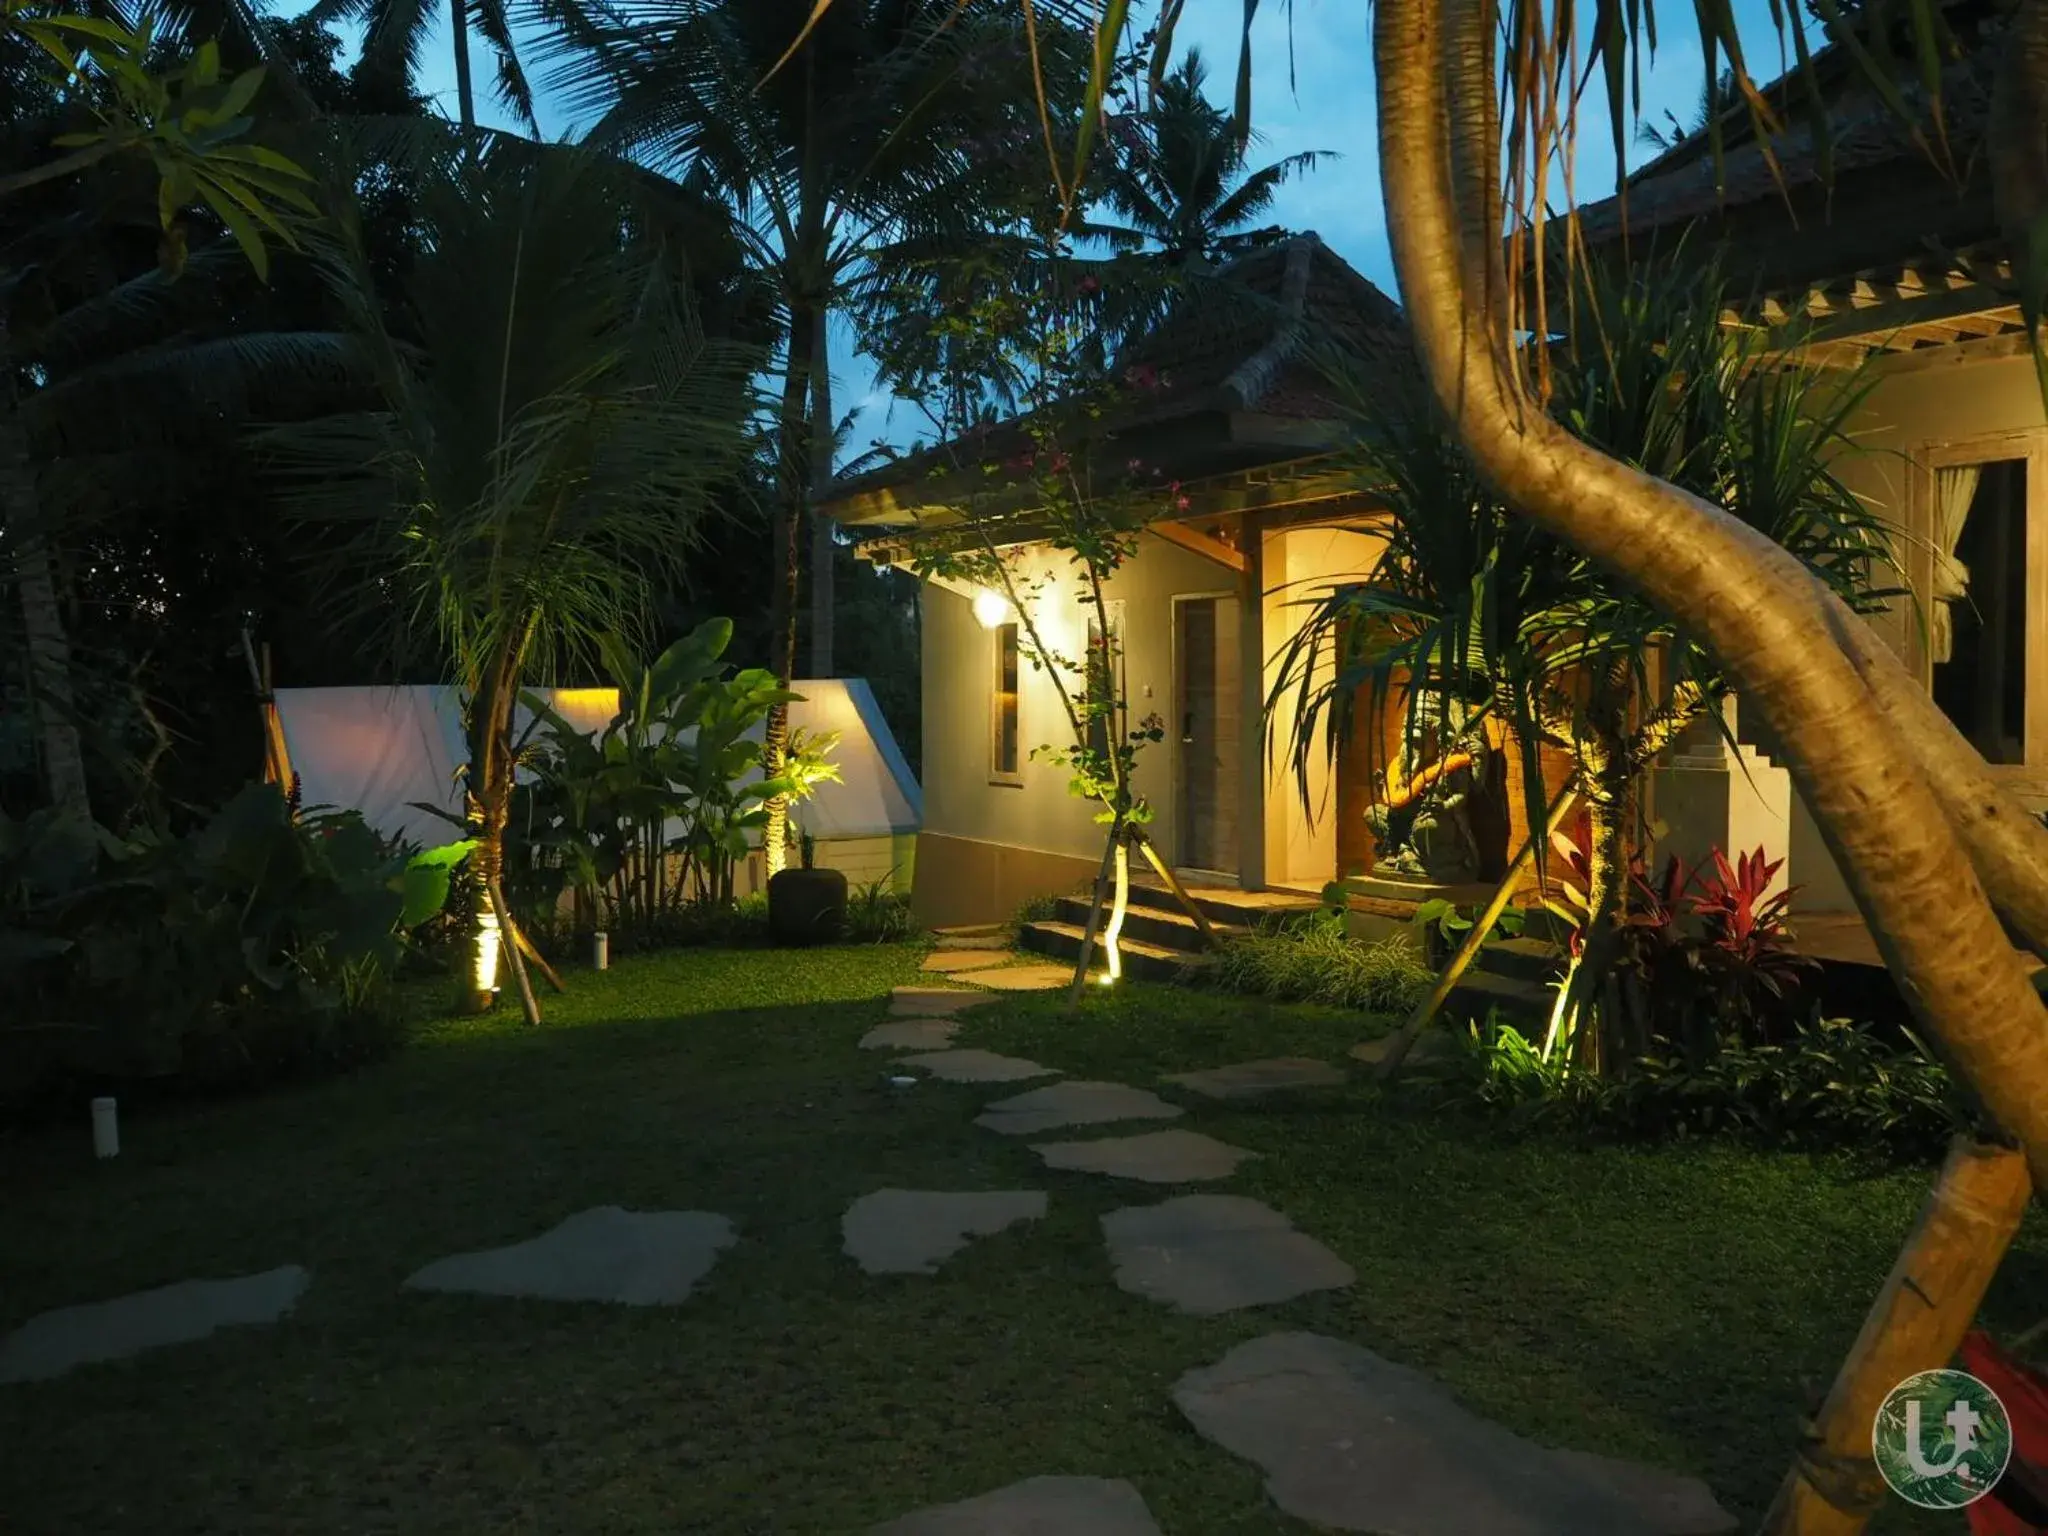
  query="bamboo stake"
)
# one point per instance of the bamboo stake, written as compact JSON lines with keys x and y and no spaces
{"x":1094,"y":921}
{"x":1454,"y":972}
{"x":526,"y":948}
{"x":1916,"y":1324}
{"x":1180,"y":892}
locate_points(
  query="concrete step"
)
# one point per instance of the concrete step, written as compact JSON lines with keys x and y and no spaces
{"x":1524,"y":959}
{"x":1240,"y":909}
{"x":1155,"y":925}
{"x":1147,"y":961}
{"x":1522,"y":1003}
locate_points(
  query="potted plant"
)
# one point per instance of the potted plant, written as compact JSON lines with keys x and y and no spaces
{"x":806,"y":905}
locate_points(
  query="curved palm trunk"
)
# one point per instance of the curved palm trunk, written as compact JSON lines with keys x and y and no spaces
{"x":1762,"y":615}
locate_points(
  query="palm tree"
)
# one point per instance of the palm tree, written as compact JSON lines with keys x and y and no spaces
{"x":544,"y":442}
{"x":1177,"y":177}
{"x":885,"y":132}
{"x":395,"y":40}
{"x":1717,"y":96}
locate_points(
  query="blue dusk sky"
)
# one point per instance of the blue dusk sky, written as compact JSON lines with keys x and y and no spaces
{"x":1328,"y":106}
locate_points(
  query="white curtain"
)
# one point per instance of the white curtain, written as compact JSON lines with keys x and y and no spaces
{"x":1954,"y":489}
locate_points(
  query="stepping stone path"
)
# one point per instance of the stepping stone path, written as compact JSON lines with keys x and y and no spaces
{"x":932,"y":1002}
{"x":977,"y":1067}
{"x":1434,"y":1045}
{"x":913,"y":1231}
{"x":1352,"y":1442}
{"x":636,"y":1258}
{"x":55,"y":1342}
{"x":1020,"y":978}
{"x":965,"y":959}
{"x":910,"y":1035}
{"x":1081,"y":1103}
{"x":1157,"y":1157}
{"x":1039,"y":1506}
{"x":1249,"y":1079}
{"x":1205,"y":1254}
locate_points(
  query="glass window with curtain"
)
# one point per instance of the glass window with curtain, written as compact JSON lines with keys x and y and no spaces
{"x":1977,"y":624}
{"x":1004,"y":761}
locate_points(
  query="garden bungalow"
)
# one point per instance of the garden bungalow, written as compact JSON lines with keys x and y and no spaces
{"x":1896,"y":270}
{"x":1265,"y":517}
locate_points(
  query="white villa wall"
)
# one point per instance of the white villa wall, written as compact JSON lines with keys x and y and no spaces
{"x":1908,"y":412}
{"x":1301,"y":565}
{"x":1037,"y":813}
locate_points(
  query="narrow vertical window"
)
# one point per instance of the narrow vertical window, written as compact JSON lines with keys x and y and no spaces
{"x":1979,"y":630}
{"x":1003,"y":735}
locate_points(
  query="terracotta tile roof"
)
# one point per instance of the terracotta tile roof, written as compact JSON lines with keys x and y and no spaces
{"x":1682,"y":186}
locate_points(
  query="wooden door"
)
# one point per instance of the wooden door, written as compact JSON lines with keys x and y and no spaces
{"x":1206,"y":721}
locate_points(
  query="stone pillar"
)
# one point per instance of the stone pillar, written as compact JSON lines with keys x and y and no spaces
{"x":1709,"y":794}
{"x":1251,"y":681}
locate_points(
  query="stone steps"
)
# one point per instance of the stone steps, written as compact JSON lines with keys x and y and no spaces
{"x":1142,"y":958}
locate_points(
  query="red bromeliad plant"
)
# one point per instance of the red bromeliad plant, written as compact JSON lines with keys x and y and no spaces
{"x":1702,"y":955}
{"x":1748,"y":945}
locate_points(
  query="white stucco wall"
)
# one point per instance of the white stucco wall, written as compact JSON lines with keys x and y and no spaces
{"x":959,"y":660}
{"x":1302,"y":564}
{"x":1907,"y":412}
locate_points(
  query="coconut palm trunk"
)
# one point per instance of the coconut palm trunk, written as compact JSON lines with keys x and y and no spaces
{"x":795,"y":463}
{"x":42,"y":617}
{"x":1778,"y":634}
{"x":823,"y":547}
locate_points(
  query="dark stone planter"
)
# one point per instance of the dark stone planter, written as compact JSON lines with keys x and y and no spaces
{"x":806,"y":906}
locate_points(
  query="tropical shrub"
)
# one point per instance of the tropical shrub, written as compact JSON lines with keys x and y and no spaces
{"x":1317,"y":961}
{"x":876,"y":914}
{"x":256,"y":946}
{"x":651,"y":815}
{"x":1829,"y":1083}
{"x":1703,"y":956}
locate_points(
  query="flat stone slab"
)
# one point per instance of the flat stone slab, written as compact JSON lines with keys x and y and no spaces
{"x":910,"y":1035}
{"x":913,"y":1231}
{"x":1434,"y":1045}
{"x":1249,"y":1079}
{"x":1020,"y":978}
{"x":1078,"y":1103}
{"x":1156,"y":1157}
{"x":1205,"y":1254}
{"x":1349,"y":1441}
{"x":949,"y":959}
{"x":1038,"y":1506}
{"x":977,"y":1067}
{"x":932,"y":1002}
{"x":635,"y":1258}
{"x":54,"y":1342}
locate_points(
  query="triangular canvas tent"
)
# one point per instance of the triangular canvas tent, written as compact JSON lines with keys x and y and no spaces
{"x":387,"y":751}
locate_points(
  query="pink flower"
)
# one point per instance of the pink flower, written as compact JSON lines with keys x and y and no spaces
{"x":1142,"y":376}
{"x":1059,"y":462}
{"x":1180,"y":503}
{"x":1089,"y":284}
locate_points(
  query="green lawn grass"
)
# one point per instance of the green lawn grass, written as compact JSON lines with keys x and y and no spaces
{"x":1664,"y":1304}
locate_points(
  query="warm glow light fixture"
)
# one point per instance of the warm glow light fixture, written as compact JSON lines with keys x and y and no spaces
{"x":991,"y":608}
